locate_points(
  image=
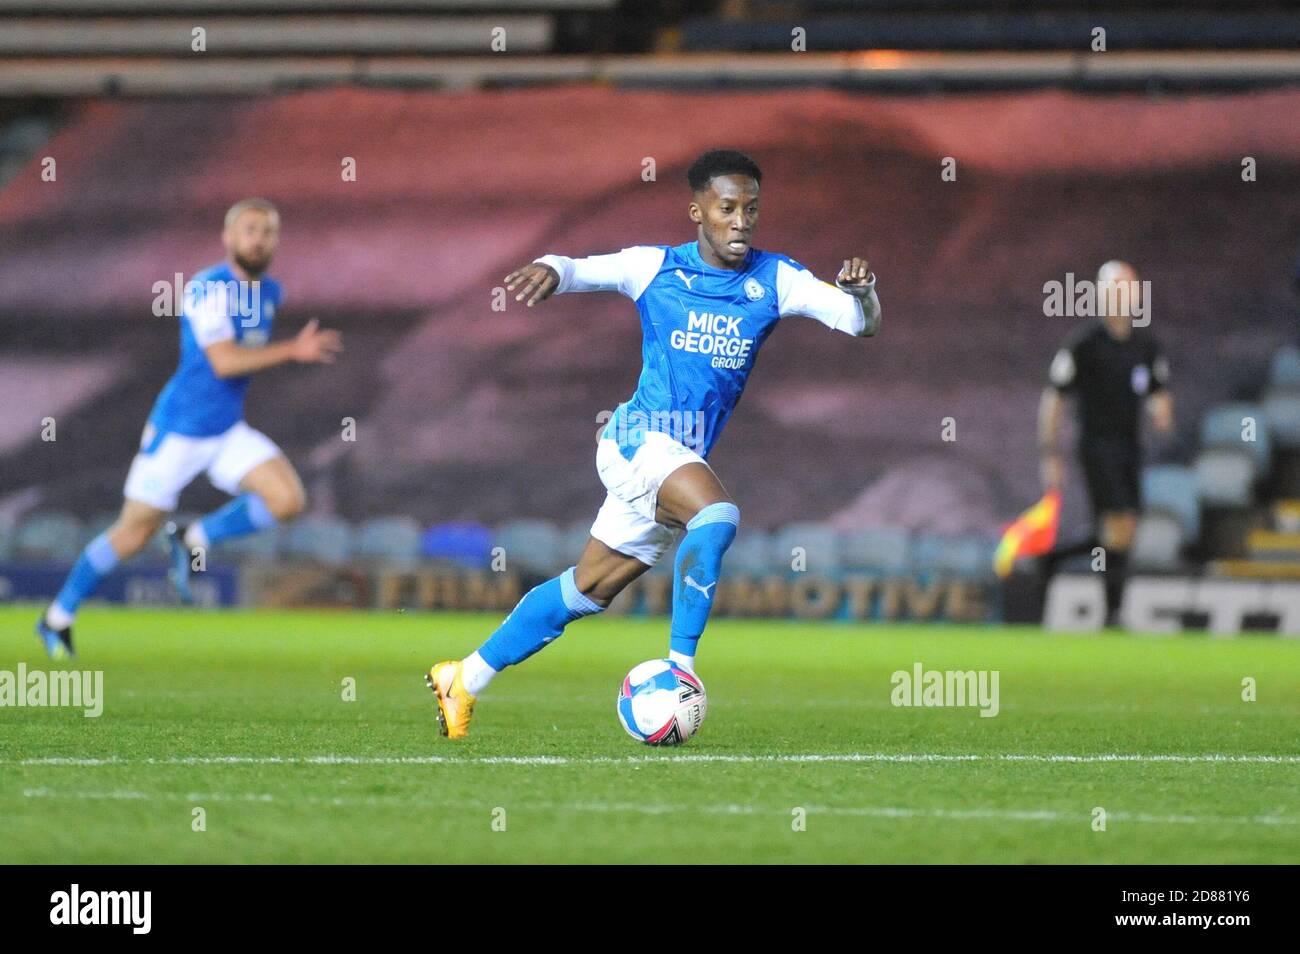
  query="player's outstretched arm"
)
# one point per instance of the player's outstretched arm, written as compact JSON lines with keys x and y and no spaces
{"x":311,"y":345}
{"x":850,"y":305}
{"x":627,"y":272}
{"x":856,"y":279}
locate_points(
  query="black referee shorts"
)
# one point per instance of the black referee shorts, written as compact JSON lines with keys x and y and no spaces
{"x":1111,"y":473}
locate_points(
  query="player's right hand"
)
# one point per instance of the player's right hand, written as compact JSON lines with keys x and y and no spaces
{"x":314,"y":345}
{"x":534,"y":279}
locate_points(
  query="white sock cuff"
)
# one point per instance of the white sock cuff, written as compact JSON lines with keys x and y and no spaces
{"x":476,"y":673}
{"x":195,"y":535}
{"x":57,"y":617}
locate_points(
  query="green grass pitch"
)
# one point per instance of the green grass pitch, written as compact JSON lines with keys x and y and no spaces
{"x":242,"y":714}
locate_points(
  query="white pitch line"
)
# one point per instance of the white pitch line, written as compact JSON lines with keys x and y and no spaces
{"x":689,"y":758}
{"x":859,"y":811}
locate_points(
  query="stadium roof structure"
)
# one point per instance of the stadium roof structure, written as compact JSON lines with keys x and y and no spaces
{"x":76,"y":48}
{"x":878,"y":69}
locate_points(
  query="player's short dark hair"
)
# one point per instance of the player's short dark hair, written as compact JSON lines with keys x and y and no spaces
{"x":721,"y":162}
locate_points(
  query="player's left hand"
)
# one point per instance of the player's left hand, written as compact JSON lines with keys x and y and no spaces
{"x":316,"y":345}
{"x":855,"y":277}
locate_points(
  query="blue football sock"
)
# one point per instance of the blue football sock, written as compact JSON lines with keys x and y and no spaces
{"x":246,"y":514}
{"x":537,"y":619}
{"x":95,"y":562}
{"x":695,"y":580}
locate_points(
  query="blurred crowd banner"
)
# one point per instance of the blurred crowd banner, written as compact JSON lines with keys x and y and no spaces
{"x":813,"y":596}
{"x":1075,"y":602}
{"x":795,"y":596}
{"x":134,"y":584}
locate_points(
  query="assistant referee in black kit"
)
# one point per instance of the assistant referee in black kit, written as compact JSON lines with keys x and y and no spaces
{"x":1115,"y":371}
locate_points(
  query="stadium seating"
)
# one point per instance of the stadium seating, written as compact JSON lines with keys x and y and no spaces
{"x":97,"y":525}
{"x":54,"y":536}
{"x":1229,"y":465}
{"x":90,"y":47}
{"x":253,"y":547}
{"x":323,"y":539}
{"x":1284,"y":370}
{"x":394,"y":539}
{"x":468,"y":544}
{"x":157,"y":546}
{"x":19,"y":139}
{"x":1171,"y":489}
{"x":750,"y":553}
{"x":1226,"y":427}
{"x":1281,"y":404}
{"x":664,"y":568}
{"x":967,"y":556}
{"x":1158,"y":542}
{"x":975,"y":560}
{"x":319,"y":29}
{"x":1282,"y":411}
{"x":532,"y":546}
{"x":573,"y":539}
{"x":886,"y":550}
{"x":818,"y":543}
{"x":1224,"y":477}
{"x":994,"y":25}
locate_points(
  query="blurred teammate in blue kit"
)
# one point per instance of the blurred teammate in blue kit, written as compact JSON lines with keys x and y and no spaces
{"x":197,"y":423}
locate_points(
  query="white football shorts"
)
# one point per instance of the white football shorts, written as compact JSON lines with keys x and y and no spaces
{"x":167,"y":463}
{"x":626,"y":520}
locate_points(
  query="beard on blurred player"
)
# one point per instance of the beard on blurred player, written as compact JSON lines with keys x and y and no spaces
{"x":250,"y":238}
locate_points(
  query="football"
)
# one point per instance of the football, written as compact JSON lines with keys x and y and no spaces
{"x":661,"y":704}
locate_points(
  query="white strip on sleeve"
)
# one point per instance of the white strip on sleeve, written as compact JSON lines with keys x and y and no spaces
{"x":628,"y":272}
{"x":799,"y":292}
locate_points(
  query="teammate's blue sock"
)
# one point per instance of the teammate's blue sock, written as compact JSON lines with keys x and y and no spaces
{"x":695,"y":580}
{"x":246,"y":514}
{"x":96,"y":561}
{"x":537,"y":619}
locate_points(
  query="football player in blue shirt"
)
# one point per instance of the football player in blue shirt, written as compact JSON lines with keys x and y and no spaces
{"x":197,"y":423}
{"x":706,"y":308}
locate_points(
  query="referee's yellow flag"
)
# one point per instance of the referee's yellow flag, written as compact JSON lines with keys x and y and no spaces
{"x":1033,"y":533}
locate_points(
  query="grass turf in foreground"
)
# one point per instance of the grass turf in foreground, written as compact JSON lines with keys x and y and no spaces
{"x":242,"y":714}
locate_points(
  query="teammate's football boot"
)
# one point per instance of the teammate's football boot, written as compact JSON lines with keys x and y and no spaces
{"x":57,"y":642}
{"x":179,"y":574}
{"x":455,"y":704}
